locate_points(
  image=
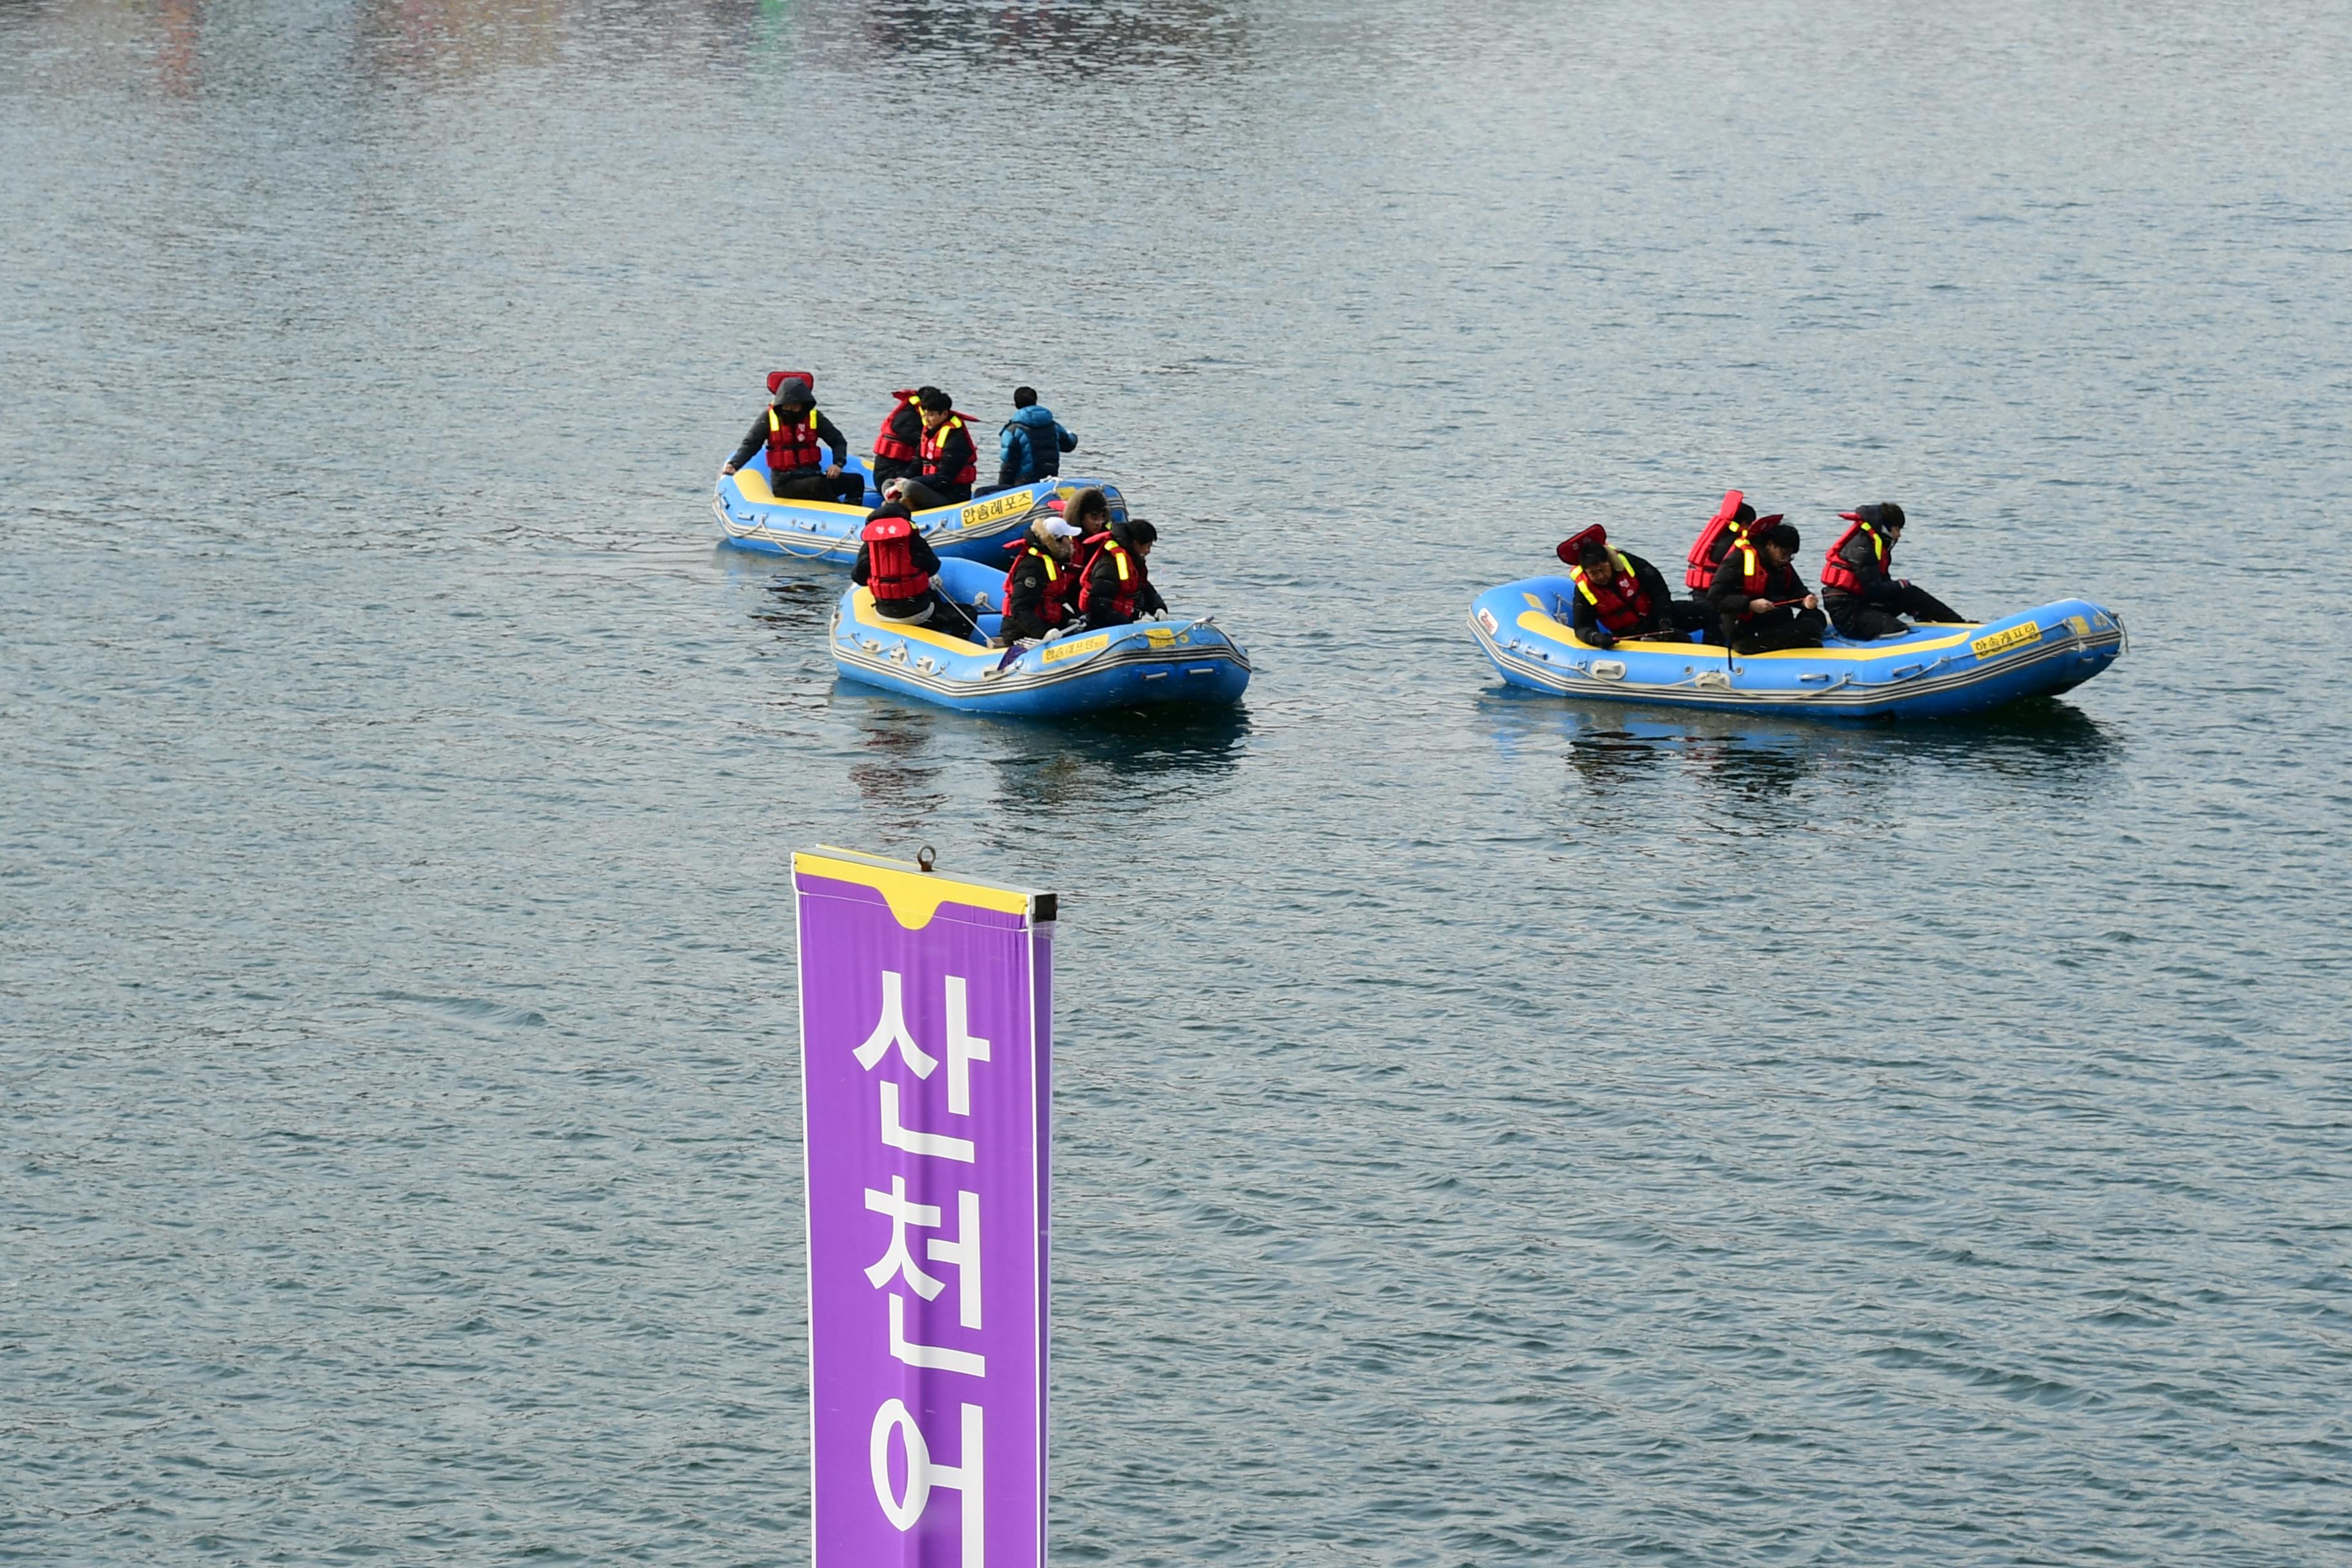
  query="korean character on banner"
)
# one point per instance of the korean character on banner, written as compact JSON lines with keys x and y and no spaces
{"x":898,"y":1263}
{"x":924,"y":1476}
{"x":964,"y":1048}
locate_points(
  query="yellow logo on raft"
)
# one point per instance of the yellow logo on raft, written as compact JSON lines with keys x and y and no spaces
{"x":1985,"y":648}
{"x":1084,"y":646}
{"x":996,"y":506}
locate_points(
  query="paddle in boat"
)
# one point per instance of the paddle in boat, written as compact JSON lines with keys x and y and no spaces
{"x":1148,"y":662}
{"x":1932,"y":671}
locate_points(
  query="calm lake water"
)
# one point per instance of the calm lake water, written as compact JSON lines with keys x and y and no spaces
{"x":1491,"y":1130}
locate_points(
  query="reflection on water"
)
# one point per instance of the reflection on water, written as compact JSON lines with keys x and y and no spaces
{"x":2047,"y":741}
{"x":1123,"y":757}
{"x":1165,"y":38}
{"x":899,"y":780}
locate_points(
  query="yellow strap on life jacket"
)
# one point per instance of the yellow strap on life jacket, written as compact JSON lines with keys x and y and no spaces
{"x":1119,"y":555}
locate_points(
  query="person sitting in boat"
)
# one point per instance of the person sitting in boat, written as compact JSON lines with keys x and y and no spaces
{"x":792,"y":428}
{"x":897,"y":564}
{"x":1037,"y":590}
{"x":1117,"y":586}
{"x":1733,"y":523}
{"x":946,"y":462}
{"x":1619,"y":595}
{"x":1088,"y":511}
{"x":1762,"y":602}
{"x":1031,"y":445}
{"x":1862,"y":601}
{"x":897,"y":446}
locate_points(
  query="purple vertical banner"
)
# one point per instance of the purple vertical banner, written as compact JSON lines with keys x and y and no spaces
{"x":926,"y":1047}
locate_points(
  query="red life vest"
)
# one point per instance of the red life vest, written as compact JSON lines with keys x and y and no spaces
{"x":1618,"y":599}
{"x":1057,"y":607}
{"x":1707,"y":554}
{"x":1836,"y":573}
{"x":1754,"y":575}
{"x":793,"y":444}
{"x":891,"y":569}
{"x":900,"y":430}
{"x":1130,"y":580}
{"x":1082,"y":559}
{"x":935,"y":447}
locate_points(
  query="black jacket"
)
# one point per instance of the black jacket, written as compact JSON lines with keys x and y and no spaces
{"x":1730,"y":598}
{"x":827,"y":432}
{"x":1030,"y":597}
{"x":1861,"y":560}
{"x":1102,"y":583}
{"x":956,"y":455}
{"x":1582,"y":619}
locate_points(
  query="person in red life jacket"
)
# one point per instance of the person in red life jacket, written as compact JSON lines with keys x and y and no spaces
{"x":791,"y":429}
{"x":1733,"y":522}
{"x":1862,"y":599}
{"x":897,"y":564}
{"x":1761,"y":600}
{"x":1619,"y":595}
{"x":1088,"y":511}
{"x":946,"y":460}
{"x":898,"y":445}
{"x":1117,"y":586}
{"x":1039,"y":588}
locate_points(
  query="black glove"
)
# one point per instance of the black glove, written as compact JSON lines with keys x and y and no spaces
{"x":1601,"y":636}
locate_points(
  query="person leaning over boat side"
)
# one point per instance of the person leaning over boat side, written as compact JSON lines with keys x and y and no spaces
{"x":1118,"y":583}
{"x":791,"y":428}
{"x":1861,"y":598}
{"x":1037,"y":588}
{"x":897,"y":564}
{"x":947,"y":462}
{"x":1762,"y":602}
{"x":1619,"y":595}
{"x":1031,"y":445}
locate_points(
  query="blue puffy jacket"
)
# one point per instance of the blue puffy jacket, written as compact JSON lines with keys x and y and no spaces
{"x":1031,"y":446}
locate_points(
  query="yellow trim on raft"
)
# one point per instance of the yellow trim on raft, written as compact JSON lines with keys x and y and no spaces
{"x":962,"y":514}
{"x":861,"y":603}
{"x":1545,"y":626}
{"x":754,"y":486}
{"x":913,"y":894}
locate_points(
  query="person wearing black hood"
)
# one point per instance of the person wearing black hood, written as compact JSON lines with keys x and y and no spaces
{"x":791,"y":429}
{"x":1117,"y":588}
{"x":1762,"y":602}
{"x":1862,"y":599}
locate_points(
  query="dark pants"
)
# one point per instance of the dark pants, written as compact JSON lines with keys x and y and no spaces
{"x":1790,"y":626}
{"x":920,"y":497}
{"x":1103,"y":616}
{"x":935,"y":610}
{"x":888,"y":469}
{"x":810,"y":484}
{"x":1858,"y":619}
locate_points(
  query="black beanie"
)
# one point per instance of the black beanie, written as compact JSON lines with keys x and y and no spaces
{"x":1785,"y":535}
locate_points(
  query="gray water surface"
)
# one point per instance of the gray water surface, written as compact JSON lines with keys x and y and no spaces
{"x":1492,"y":1130}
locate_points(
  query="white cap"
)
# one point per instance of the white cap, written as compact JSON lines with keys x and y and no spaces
{"x":1060,"y":529}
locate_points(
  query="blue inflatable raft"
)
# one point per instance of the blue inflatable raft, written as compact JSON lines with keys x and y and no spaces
{"x":1079,"y":672}
{"x":1931,"y":672}
{"x":753,"y":519}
